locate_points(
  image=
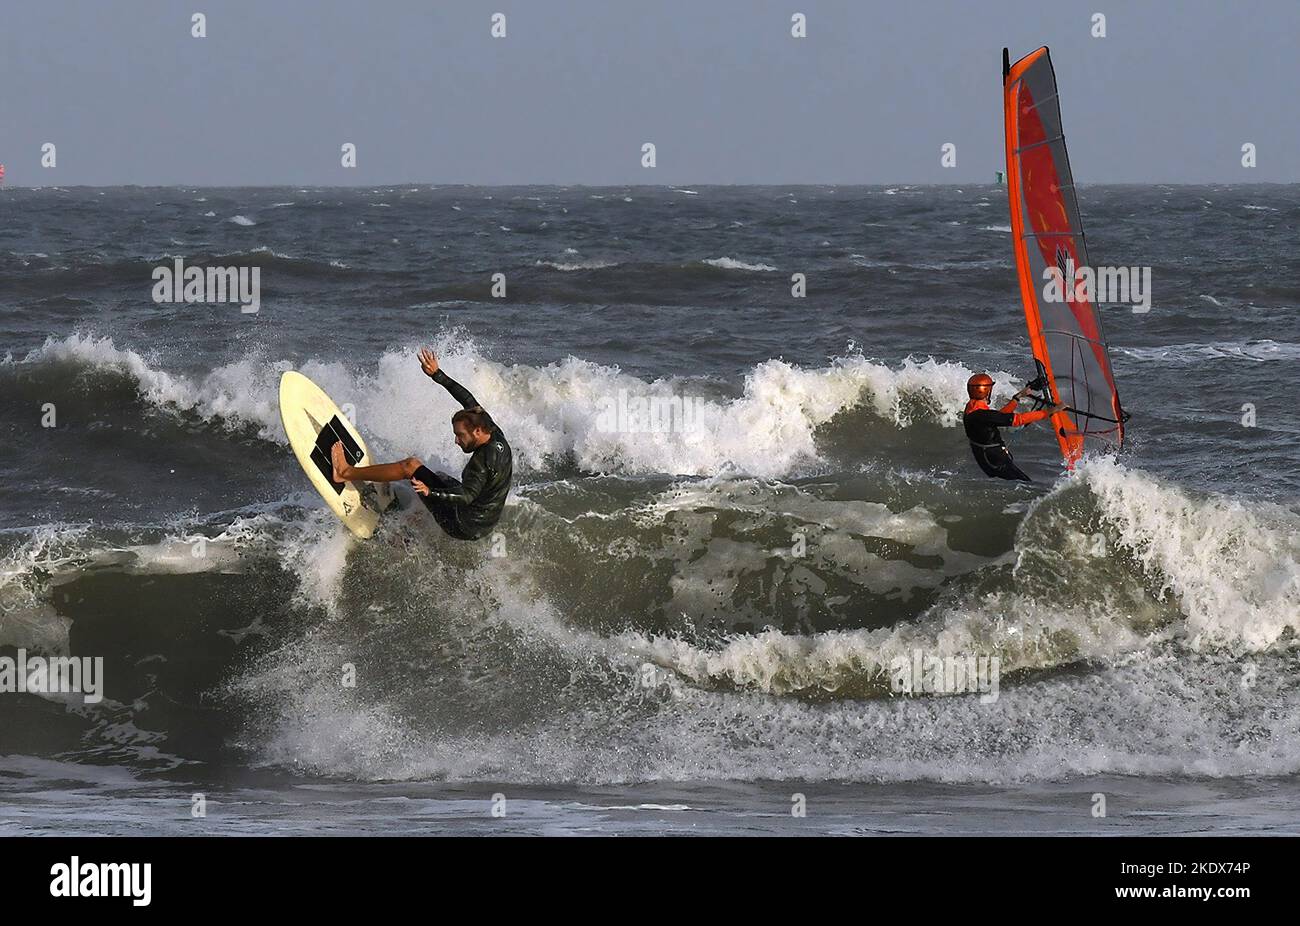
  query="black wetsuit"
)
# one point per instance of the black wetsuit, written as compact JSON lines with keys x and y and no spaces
{"x":470,"y":508}
{"x":981,"y":424}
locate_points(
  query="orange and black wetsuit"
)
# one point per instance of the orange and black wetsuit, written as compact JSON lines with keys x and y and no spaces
{"x":982,"y":423}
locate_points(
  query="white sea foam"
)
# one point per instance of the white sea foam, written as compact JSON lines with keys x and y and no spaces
{"x":594,"y":264}
{"x":551,"y":412}
{"x":1253,"y":350}
{"x":1232,"y":565}
{"x":712,"y":714}
{"x":727,"y":263}
{"x":1156,"y":698}
{"x":1230,"y":568}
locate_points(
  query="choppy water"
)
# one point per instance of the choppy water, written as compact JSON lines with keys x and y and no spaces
{"x":646,"y":639}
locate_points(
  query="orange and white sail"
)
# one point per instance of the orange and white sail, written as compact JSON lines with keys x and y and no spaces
{"x":1066,"y":337}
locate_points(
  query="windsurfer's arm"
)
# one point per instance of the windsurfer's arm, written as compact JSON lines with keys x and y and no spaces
{"x":1015,"y":400}
{"x":1020,"y":419}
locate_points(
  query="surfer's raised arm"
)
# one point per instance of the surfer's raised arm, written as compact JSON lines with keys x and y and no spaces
{"x":429,"y":364}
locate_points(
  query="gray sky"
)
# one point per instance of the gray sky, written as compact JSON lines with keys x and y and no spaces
{"x":569,"y":96}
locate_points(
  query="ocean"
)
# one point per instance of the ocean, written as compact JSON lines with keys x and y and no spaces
{"x":684,"y":625}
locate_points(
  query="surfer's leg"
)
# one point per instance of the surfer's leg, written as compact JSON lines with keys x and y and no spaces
{"x":447,"y":518}
{"x":382,"y":472}
{"x":445,"y":514}
{"x":440,"y":481}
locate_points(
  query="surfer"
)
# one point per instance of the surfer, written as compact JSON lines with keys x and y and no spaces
{"x":982,"y":423}
{"x":466,"y":509}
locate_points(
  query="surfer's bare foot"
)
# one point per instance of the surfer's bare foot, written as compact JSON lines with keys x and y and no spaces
{"x":342,"y":471}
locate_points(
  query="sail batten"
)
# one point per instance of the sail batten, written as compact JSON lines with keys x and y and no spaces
{"x":1066,"y":337}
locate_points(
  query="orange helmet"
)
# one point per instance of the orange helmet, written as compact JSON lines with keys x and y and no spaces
{"x":979,"y":386}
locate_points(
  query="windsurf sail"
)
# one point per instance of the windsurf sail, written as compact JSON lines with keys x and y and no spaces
{"x":1066,"y":337}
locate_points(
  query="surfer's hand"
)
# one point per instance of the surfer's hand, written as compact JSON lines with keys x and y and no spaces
{"x":419,"y":486}
{"x":1022,"y":393}
{"x":428,"y":362}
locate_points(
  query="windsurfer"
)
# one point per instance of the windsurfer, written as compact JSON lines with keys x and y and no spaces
{"x":982,"y":424}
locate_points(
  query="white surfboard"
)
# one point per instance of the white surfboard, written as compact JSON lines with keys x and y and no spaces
{"x":314,"y":424}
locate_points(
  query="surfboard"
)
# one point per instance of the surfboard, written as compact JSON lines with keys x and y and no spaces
{"x":314,"y":424}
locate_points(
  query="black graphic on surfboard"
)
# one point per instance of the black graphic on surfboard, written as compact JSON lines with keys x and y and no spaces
{"x":320,"y":454}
